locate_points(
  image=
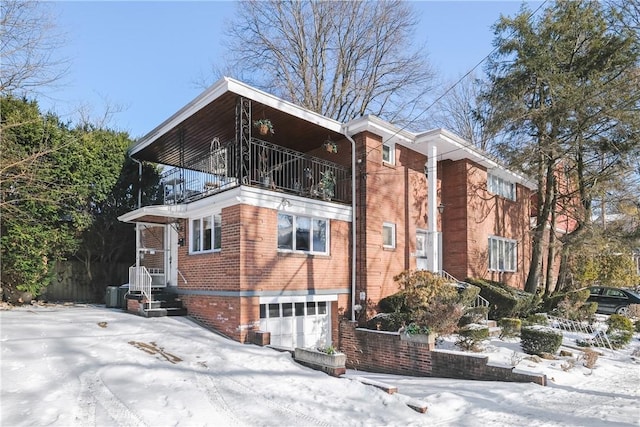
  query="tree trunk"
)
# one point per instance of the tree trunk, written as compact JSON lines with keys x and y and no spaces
{"x":544,"y":210}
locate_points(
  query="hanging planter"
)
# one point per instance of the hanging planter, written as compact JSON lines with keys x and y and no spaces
{"x":264,"y":126}
{"x":330,"y":146}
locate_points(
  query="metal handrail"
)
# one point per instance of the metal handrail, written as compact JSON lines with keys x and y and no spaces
{"x":140,"y":281}
{"x":477,"y":302}
{"x":268,"y":166}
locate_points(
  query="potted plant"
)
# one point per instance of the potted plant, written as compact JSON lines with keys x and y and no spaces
{"x":417,"y":333}
{"x":330,"y":146}
{"x":327,"y":359}
{"x":327,"y":184}
{"x":264,"y":126}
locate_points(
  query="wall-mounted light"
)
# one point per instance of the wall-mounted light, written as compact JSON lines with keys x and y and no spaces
{"x":441,"y":208}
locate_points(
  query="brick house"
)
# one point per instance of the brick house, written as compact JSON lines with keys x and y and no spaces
{"x":256,"y":231}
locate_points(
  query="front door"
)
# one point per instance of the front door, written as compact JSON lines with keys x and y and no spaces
{"x":421,"y":250}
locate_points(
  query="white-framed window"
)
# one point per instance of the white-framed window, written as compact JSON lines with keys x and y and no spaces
{"x":388,"y":235}
{"x":388,"y":154}
{"x":303,"y":234}
{"x":501,"y":186}
{"x":206,"y":234}
{"x":503,"y":254}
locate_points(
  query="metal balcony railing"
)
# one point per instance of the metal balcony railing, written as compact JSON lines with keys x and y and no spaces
{"x":265,"y":165}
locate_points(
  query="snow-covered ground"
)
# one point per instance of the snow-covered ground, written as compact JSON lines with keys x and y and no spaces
{"x":89,"y":365}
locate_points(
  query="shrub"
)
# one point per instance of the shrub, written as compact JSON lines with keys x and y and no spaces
{"x":471,"y":336}
{"x":637,"y":327}
{"x":510,"y":327}
{"x":504,"y":300}
{"x":535,"y":319}
{"x":473,"y":315}
{"x":571,"y":305}
{"x":468,"y":295}
{"x":539,"y":340}
{"x":425,"y":299}
{"x":393,"y":303}
{"x":391,"y":322}
{"x":620,"y":330}
{"x":619,"y":322}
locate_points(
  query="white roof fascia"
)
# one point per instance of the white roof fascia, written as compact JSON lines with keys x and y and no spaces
{"x":376,"y":125}
{"x":448,"y":142}
{"x":249,"y":196}
{"x":167,"y":211}
{"x":219,"y":88}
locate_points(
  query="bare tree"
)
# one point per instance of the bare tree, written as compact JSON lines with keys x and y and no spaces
{"x":343,"y":59}
{"x":29,"y":43}
{"x":462,"y":110}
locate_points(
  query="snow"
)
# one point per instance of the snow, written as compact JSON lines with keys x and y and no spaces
{"x":90,"y":365}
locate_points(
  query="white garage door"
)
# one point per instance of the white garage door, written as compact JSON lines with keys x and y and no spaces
{"x":297,"y":323}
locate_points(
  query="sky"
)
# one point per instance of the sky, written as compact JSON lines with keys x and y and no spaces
{"x":144,"y":58}
{"x":89,"y":365}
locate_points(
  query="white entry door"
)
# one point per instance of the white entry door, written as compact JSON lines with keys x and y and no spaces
{"x":421,"y":250}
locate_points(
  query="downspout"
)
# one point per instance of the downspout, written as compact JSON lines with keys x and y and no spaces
{"x":353,"y":223}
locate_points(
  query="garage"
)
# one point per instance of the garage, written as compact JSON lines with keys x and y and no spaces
{"x":303,"y":321}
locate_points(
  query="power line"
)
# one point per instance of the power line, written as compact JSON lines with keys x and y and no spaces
{"x":450,"y":89}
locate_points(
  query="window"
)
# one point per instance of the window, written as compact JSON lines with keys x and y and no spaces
{"x":501,"y":187}
{"x":206,"y":234}
{"x":302,"y":233}
{"x":388,"y":154}
{"x":503,"y":254}
{"x":388,"y":235}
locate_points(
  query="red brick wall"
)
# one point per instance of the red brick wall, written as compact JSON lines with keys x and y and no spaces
{"x":385,"y":352}
{"x":249,"y":261}
{"x":472,"y":214}
{"x":387,"y":193}
{"x":377,"y":351}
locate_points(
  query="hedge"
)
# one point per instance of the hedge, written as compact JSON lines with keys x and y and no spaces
{"x":539,"y":340}
{"x":504,"y":300}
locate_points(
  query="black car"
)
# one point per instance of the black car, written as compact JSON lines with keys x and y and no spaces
{"x":613,"y":300}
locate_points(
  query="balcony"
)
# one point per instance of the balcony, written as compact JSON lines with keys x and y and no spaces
{"x":263,"y":165}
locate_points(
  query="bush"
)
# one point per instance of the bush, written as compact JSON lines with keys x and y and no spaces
{"x":619,"y":322}
{"x":539,"y":340}
{"x":620,"y":330}
{"x":504,"y":300}
{"x":473,"y":315}
{"x":471,"y":336}
{"x":390,"y":322}
{"x":510,"y":327}
{"x":571,"y":305}
{"x":535,"y":319}
{"x":468,"y":295}
{"x":393,"y":303}
{"x":425,"y":299}
{"x":637,"y":328}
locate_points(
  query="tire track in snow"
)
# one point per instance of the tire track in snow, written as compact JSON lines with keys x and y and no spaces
{"x":216,"y":399}
{"x":95,"y":392}
{"x":237,"y":396}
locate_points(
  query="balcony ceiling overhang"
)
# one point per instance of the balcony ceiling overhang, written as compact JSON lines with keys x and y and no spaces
{"x":213,"y":115}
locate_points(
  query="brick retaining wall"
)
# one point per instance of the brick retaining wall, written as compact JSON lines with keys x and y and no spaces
{"x":386,"y":352}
